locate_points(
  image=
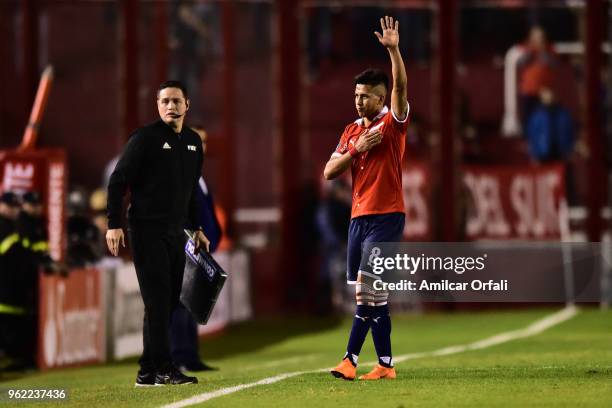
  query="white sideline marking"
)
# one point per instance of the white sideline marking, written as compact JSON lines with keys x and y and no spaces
{"x":534,"y":328}
{"x":197,"y":399}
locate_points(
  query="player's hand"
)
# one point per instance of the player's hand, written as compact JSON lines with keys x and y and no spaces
{"x":390,"y":32}
{"x":367,"y":141}
{"x":200,"y":241}
{"x":114,"y":237}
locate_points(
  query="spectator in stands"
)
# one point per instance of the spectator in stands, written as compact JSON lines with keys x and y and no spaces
{"x":550,"y":130}
{"x":536,"y":71}
{"x":551,"y":136}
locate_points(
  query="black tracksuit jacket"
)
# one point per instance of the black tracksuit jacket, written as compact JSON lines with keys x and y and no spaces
{"x":161,"y":168}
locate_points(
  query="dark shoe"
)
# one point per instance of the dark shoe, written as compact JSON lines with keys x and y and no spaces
{"x":196,"y":366}
{"x":174,"y":377}
{"x":145,"y":379}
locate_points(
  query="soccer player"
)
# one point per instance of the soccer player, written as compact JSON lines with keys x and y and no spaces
{"x":373,"y":147}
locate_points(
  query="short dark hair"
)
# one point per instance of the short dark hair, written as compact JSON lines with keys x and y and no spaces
{"x":173,"y":84}
{"x":372,"y":77}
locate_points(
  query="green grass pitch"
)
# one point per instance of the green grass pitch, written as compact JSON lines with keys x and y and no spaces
{"x":568,"y":365}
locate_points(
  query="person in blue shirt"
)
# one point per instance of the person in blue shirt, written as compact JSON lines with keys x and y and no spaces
{"x":551,"y":137}
{"x":550,"y":130}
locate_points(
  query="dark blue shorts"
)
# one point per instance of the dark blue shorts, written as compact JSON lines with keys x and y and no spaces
{"x":370,"y":228}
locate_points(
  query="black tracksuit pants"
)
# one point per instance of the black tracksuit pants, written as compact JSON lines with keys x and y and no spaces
{"x":159,"y":258}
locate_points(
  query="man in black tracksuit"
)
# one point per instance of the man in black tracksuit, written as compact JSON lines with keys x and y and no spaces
{"x":161,"y":165}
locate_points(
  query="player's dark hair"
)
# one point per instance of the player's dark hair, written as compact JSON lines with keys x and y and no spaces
{"x":173,"y":84}
{"x":372,"y":77}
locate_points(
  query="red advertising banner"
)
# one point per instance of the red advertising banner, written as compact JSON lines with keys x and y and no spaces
{"x":514,"y":202}
{"x":503,"y":202}
{"x":44,"y":171}
{"x":71,"y":319}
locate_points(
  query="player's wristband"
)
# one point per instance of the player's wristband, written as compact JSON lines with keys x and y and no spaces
{"x":353,"y":151}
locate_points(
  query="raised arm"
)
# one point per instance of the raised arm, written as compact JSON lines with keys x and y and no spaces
{"x":390,"y":39}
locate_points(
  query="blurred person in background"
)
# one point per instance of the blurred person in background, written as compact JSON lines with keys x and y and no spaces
{"x":550,"y":130}
{"x":536,"y":68}
{"x":9,"y":212}
{"x":373,"y":147}
{"x":31,"y":224}
{"x":551,"y":136}
{"x":83,"y":235}
{"x":183,"y":327}
{"x":161,"y":165}
{"x":32,"y":231}
{"x":333,"y":218}
{"x":17,"y":332}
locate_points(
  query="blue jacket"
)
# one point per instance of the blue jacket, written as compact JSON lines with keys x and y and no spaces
{"x":206,"y":214}
{"x":550,"y":133}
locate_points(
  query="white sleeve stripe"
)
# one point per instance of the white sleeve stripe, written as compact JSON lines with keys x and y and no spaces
{"x":407,"y":113}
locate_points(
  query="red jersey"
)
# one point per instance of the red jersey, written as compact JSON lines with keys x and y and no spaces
{"x":537,"y":72}
{"x":377,"y":173}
